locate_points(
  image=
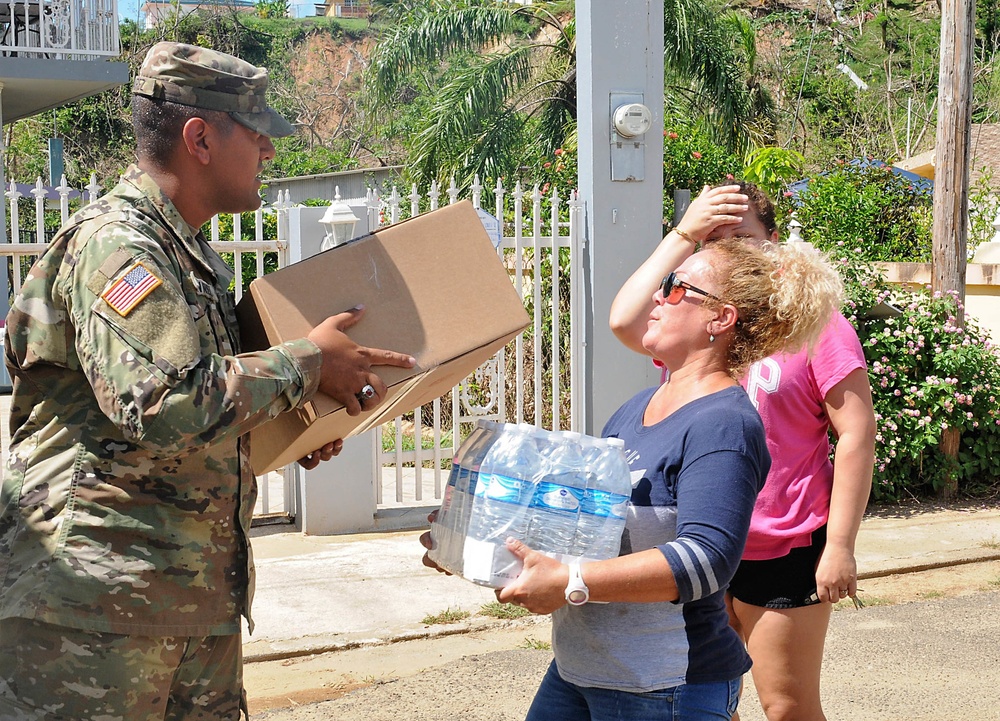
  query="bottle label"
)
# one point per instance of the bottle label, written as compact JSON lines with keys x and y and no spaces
{"x":504,"y":488}
{"x":604,"y":504}
{"x":556,"y":497}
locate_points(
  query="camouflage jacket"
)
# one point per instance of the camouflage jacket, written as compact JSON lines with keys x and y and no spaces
{"x":128,"y":491}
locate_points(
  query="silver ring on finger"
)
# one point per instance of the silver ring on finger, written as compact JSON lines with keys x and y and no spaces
{"x":366,"y":393}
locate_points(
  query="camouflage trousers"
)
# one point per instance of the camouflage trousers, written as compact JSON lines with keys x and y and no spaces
{"x":51,"y":673}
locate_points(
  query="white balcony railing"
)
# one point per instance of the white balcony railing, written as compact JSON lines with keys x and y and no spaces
{"x":59,"y":29}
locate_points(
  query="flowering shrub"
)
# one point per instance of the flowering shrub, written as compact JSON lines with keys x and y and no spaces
{"x":928,"y":374}
{"x":557,"y":169}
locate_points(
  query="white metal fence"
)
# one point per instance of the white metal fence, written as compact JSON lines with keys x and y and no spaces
{"x":532,"y":379}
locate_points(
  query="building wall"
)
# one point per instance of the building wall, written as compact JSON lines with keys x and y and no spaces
{"x":353,"y":185}
{"x":982,"y":289}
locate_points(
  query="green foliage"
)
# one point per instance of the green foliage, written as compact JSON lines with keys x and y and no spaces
{"x":271,"y":8}
{"x":772,"y":168}
{"x":248,"y":226}
{"x":869,"y":209}
{"x":294,"y":158}
{"x":556,"y":170}
{"x":984,"y":204}
{"x":930,"y":373}
{"x":692,"y":160}
{"x":987,"y":28}
{"x":97,"y":132}
{"x":476,"y":111}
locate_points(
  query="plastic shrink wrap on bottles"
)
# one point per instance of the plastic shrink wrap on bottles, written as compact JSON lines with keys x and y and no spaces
{"x":501,"y":507}
{"x":555,"y":507}
{"x":449,"y":529}
{"x":561,"y":493}
{"x":605,"y":503}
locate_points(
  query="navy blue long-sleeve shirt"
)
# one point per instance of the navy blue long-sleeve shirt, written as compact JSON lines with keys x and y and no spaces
{"x":695,"y":477}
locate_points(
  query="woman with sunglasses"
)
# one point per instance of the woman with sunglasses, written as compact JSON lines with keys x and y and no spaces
{"x":799,"y":558}
{"x":646,"y":635}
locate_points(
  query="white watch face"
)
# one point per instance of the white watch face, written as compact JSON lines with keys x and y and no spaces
{"x":577,"y":597}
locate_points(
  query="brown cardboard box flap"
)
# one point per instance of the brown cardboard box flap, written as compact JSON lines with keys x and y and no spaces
{"x":432,"y":286}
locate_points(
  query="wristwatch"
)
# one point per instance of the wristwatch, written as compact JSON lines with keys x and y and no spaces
{"x":577,"y":592}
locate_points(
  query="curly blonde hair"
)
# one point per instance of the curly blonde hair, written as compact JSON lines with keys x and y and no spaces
{"x":785,"y":296}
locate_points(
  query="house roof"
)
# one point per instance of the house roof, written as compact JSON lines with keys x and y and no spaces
{"x":920,"y":182}
{"x":984,"y":153}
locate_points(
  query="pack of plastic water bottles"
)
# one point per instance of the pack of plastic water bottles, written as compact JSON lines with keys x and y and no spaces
{"x":562,"y":493}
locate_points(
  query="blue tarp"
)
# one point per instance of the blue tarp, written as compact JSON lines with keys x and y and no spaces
{"x":919,"y":181}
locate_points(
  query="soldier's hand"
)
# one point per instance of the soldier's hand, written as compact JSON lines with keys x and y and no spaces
{"x":325,"y":453}
{"x":347,"y":366}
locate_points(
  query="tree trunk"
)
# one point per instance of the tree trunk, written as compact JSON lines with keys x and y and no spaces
{"x":950,"y":438}
{"x":951,"y":163}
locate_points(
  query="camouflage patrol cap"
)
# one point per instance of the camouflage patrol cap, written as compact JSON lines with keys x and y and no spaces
{"x":208,"y":79}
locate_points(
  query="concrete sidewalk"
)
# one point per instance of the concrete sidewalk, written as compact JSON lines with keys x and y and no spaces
{"x":317,"y":594}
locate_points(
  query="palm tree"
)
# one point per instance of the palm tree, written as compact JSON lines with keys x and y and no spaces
{"x":502,"y":80}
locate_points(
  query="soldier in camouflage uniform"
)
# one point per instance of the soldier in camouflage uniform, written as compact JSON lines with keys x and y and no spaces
{"x":124,"y":556}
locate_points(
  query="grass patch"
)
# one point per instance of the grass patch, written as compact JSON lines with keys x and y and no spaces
{"x":932,"y":594}
{"x":870,"y":601}
{"x":535,"y":645}
{"x":505,"y":611}
{"x":991,"y":543}
{"x":449,"y":615}
{"x":408,"y":441}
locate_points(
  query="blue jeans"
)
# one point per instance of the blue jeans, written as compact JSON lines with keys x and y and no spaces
{"x":559,"y":700}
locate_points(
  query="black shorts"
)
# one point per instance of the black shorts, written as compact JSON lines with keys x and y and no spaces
{"x":786,"y":582}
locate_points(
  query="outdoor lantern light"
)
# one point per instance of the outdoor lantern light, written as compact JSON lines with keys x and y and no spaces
{"x":340,"y":222}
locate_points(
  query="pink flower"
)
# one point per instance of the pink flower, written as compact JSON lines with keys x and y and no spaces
{"x":696,"y":155}
{"x":788,"y":194}
{"x":672,"y":136}
{"x":558,"y":151}
{"x":546,"y":165}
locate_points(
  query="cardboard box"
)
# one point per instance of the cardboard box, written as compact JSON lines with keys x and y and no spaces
{"x":433,"y":287}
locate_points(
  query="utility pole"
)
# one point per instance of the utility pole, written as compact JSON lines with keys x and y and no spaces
{"x":951,"y":175}
{"x":620,"y":67}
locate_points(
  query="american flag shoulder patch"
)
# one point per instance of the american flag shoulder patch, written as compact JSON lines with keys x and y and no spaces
{"x":129,"y":290}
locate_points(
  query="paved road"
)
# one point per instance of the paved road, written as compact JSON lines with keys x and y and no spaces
{"x":932,"y":660}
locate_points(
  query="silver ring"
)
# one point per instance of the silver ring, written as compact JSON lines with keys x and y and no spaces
{"x":367,"y":393}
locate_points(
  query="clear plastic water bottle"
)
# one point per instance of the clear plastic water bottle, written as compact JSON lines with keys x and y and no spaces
{"x":445,"y":528}
{"x":605,"y":504}
{"x":465,"y":489}
{"x":591,"y":448}
{"x":505,"y":486}
{"x":556,"y":503}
